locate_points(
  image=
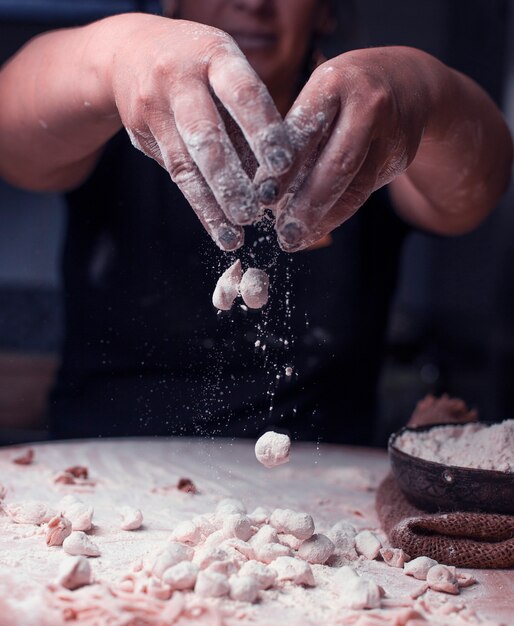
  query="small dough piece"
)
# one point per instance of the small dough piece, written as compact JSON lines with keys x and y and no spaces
{"x":30,"y":512}
{"x":317,"y":549}
{"x":289,"y":522}
{"x":263,"y":574}
{"x":57,"y":530}
{"x":78,"y":543}
{"x":443,"y":578}
{"x":265,"y":534}
{"x":171,"y":555}
{"x":254,"y":288}
{"x":268,"y":552}
{"x":181,"y":576}
{"x":367,"y":544}
{"x":227,"y":287}
{"x":259,"y":516}
{"x":74,"y":572}
{"x":356,"y":592}
{"x":342,"y":536}
{"x":290,"y":541}
{"x":238,"y":526}
{"x":186,"y":532}
{"x":229,"y":506}
{"x":244,"y":588}
{"x":394,"y":557}
{"x":211,"y":584}
{"x":204,"y":557}
{"x":296,"y":570}
{"x":132,"y":518}
{"x":418,"y":568}
{"x":272,"y":449}
{"x":79,"y":514}
{"x":361,"y":593}
{"x":157,"y":589}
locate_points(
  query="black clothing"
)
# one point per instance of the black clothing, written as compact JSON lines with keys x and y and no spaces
{"x":146,"y":353}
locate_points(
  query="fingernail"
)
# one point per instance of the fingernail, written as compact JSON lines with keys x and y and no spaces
{"x":268,"y":191}
{"x":279,"y":160}
{"x":229,"y":239}
{"x":292,"y":233}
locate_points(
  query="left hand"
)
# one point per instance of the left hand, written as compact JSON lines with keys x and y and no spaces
{"x":355,"y":126}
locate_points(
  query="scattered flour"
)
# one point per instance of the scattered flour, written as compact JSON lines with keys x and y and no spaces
{"x":245,"y":568}
{"x":474,"y":445}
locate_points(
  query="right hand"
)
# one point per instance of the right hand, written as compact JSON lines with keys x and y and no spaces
{"x":166,"y":77}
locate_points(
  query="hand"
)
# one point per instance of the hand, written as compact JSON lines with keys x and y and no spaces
{"x":168,"y":79}
{"x":355,"y":126}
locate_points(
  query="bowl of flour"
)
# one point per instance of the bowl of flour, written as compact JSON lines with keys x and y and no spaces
{"x":456,"y":467}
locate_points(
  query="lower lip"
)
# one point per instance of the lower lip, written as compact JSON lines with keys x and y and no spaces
{"x":254,"y":42}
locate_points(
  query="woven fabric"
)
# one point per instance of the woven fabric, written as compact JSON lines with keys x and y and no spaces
{"x":479,"y":540}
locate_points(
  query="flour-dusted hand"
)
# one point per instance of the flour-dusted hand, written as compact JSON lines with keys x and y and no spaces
{"x":169,"y":79}
{"x":370,"y":117}
{"x":170,"y":83}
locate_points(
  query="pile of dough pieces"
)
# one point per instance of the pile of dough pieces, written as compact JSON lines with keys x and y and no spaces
{"x":234,"y":554}
{"x":252,"y":286}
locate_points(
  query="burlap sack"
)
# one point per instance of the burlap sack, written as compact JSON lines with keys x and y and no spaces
{"x":479,"y":540}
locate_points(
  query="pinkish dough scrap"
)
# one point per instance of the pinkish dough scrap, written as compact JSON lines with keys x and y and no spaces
{"x":254,"y":288}
{"x":227,"y":287}
{"x":272,"y":449}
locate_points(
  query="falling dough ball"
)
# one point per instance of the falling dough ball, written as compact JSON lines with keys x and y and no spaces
{"x":254,"y":288}
{"x":272,"y":449}
{"x":227,"y":287}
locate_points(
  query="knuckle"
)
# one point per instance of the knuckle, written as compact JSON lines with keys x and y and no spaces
{"x":355,"y":196}
{"x":247,"y":93}
{"x":182,"y":170}
{"x":345,"y":164}
{"x":380,"y":100}
{"x":201,"y":135}
{"x":143,"y":101}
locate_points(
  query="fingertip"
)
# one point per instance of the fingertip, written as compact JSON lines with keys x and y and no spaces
{"x":279,"y":160}
{"x":229,"y":238}
{"x":267,"y":191}
{"x":291,"y":234}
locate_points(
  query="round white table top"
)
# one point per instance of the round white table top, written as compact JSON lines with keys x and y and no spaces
{"x":329,"y":482}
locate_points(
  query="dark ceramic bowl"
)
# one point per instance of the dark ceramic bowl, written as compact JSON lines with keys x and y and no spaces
{"x":437,"y":487}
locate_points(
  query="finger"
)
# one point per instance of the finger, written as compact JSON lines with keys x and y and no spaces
{"x":355,"y":195}
{"x":204,"y":136}
{"x":186,"y":175}
{"x":307,"y":125}
{"x":249,"y":103}
{"x":337,"y":166}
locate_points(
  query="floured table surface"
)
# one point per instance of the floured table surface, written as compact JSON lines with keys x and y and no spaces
{"x":332,"y":483}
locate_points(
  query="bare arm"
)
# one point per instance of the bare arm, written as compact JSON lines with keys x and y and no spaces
{"x":392,"y":115}
{"x":67,"y":92}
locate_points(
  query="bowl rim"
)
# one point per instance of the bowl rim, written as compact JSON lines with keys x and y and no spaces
{"x":476,"y":471}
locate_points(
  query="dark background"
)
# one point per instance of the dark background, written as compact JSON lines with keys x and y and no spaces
{"x":452,"y":323}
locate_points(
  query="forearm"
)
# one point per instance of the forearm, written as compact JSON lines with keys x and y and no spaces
{"x":57,"y":107}
{"x":463,"y":163}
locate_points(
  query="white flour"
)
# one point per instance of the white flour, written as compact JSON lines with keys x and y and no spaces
{"x":473,"y":445}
